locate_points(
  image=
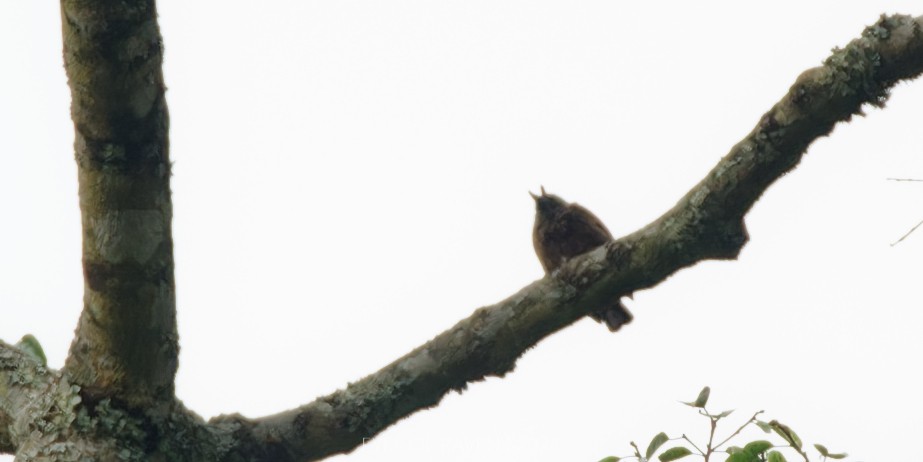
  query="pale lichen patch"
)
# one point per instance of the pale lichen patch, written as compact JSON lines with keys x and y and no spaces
{"x":422,"y":361}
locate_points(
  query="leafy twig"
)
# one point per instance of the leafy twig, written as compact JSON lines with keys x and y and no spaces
{"x":693,"y":445}
{"x":752,"y":419}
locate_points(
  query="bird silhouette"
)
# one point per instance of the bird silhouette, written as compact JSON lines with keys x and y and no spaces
{"x":564,"y":230}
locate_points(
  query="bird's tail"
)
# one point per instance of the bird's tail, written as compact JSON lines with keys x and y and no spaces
{"x":615,"y":315}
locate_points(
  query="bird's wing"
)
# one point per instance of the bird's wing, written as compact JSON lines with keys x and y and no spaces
{"x":592,"y":225}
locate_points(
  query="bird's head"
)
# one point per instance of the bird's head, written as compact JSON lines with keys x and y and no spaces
{"x":548,"y":204}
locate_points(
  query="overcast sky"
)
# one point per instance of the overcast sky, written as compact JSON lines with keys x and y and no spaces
{"x":351,"y":179}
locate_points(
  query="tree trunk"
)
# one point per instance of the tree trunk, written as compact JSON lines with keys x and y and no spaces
{"x":126,"y":343}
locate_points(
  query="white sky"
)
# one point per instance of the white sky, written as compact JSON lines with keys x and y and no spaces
{"x":351,"y":179}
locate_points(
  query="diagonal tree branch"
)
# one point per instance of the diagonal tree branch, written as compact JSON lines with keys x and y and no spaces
{"x":126,"y":340}
{"x":706,"y":224}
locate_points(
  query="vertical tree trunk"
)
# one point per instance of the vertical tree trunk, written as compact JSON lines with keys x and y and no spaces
{"x":126,"y":342}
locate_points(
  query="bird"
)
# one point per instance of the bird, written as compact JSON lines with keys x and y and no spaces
{"x":564,"y":230}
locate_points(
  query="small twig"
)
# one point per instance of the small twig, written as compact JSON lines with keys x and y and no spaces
{"x":790,"y":438}
{"x":637,"y":451}
{"x":693,"y":445}
{"x":711,"y":437}
{"x":918,"y":224}
{"x":908,"y":233}
{"x":752,"y":419}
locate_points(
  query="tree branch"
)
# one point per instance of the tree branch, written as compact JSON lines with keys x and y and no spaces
{"x":9,"y":365}
{"x":6,"y":441}
{"x":706,"y":224}
{"x":126,"y":341}
{"x":23,"y":384}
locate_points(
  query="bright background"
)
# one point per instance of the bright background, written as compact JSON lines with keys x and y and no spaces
{"x":351,"y":179}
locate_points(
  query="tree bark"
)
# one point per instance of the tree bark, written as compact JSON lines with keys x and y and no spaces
{"x":114,"y":401}
{"x":126,"y":342}
{"x":13,"y":383}
{"x":27,"y":391}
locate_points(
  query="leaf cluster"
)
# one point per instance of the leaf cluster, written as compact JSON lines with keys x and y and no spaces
{"x":753,"y":451}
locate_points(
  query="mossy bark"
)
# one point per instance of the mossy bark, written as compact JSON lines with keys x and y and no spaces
{"x":126,"y":342}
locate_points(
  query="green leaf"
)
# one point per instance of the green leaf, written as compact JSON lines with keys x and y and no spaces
{"x":764,"y":426}
{"x":786,"y":433}
{"x":742,"y":456}
{"x":703,"y":397}
{"x":656,"y":443}
{"x":734,"y":449}
{"x":826,"y":453}
{"x":821,"y":449}
{"x":775,"y":456}
{"x":30,"y":345}
{"x":758,"y":447}
{"x":611,"y":459}
{"x":674,"y":453}
{"x":701,"y":400}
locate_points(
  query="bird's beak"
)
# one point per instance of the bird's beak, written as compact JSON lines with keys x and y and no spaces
{"x":533,"y":195}
{"x":543,"y":191}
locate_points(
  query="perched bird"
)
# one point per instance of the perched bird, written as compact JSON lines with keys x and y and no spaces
{"x":563,"y":231}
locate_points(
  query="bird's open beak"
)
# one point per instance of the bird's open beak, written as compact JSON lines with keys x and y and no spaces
{"x":543,"y":191}
{"x":533,"y":195}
